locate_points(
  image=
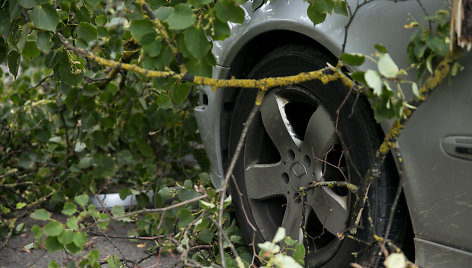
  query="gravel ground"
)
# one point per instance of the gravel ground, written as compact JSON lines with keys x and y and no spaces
{"x":15,"y":255}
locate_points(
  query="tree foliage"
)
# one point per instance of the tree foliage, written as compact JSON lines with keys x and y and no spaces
{"x":72,"y":126}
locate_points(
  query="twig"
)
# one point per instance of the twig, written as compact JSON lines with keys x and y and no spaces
{"x":425,"y":13}
{"x":231,"y":246}
{"x":162,"y":30}
{"x":396,"y":151}
{"x":40,"y":82}
{"x":351,"y":18}
{"x":146,"y":238}
{"x":331,"y":184}
{"x":12,"y":227}
{"x":229,"y":172}
{"x":241,"y":200}
{"x":14,"y":185}
{"x":154,"y":210}
{"x":114,"y":245}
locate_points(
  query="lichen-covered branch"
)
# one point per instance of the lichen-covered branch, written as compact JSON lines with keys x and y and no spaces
{"x":325,"y":75}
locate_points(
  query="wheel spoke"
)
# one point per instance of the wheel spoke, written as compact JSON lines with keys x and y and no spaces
{"x":320,"y":133}
{"x":293,"y":219}
{"x":330,"y":208}
{"x":265,"y":181}
{"x":277,"y":125}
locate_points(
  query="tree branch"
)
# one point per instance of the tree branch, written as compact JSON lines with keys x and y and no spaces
{"x":390,"y":140}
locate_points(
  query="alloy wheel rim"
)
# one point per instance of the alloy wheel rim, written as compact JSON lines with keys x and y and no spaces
{"x":303,"y":148}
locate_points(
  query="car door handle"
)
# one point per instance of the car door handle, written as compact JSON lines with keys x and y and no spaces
{"x":458,"y":146}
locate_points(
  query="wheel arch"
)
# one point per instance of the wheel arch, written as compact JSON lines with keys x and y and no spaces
{"x":244,"y":59}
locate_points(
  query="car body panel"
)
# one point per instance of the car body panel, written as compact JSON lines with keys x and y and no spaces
{"x":438,"y":187}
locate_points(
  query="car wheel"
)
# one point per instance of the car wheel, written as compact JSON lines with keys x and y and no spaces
{"x":297,"y":138}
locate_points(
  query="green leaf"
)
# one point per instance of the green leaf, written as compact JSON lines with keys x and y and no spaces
{"x":429,"y":63}
{"x":73,"y":223}
{"x":87,"y":32}
{"x":31,"y":50}
{"x":93,"y":256}
{"x":79,"y":239}
{"x":140,"y":28}
{"x":227,"y":201}
{"x":45,"y":17}
{"x":269,"y":247}
{"x":456,"y":67}
{"x":82,"y":199}
{"x":65,"y":72}
{"x":118,"y":211}
{"x":28,"y":3}
{"x":185,"y":217}
{"x":414,"y":89}
{"x":299,"y":253}
{"x":289,"y":241}
{"x":20,"y":227}
{"x":374,"y":81}
{"x":101,"y":20}
{"x":437,"y":44}
{"x":199,"y":3}
{"x":69,"y":208}
{"x":91,"y":90}
{"x":387,"y":66}
{"x":53,"y":264}
{"x":227,"y":10}
{"x":206,"y":236}
{"x":163,"y":12}
{"x":52,"y":245}
{"x":199,"y":67}
{"x":353,"y":59}
{"x":395,"y":260}
{"x":163,"y":101}
{"x":381,"y":48}
{"x":72,"y":248}
{"x":113,"y":261}
{"x":37,"y":231}
{"x":44,"y":42}
{"x":124,"y":192}
{"x":196,"y":42}
{"x":181,"y":17}
{"x":152,"y":48}
{"x":20,"y":205}
{"x":103,"y":216}
{"x":279,"y":235}
{"x":13,"y":62}
{"x":358,"y":77}
{"x":85,"y":162}
{"x":53,"y":228}
{"x":205,"y":204}
{"x":65,"y":237}
{"x":180,"y":93}
{"x":41,"y":214}
{"x":281,"y":260}
{"x":105,"y":165}
{"x":340,"y":7}
{"x":324,"y":6}
{"x":315,"y":16}
{"x":222,"y":30}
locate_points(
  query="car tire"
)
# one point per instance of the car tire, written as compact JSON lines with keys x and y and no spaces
{"x":296,"y":138}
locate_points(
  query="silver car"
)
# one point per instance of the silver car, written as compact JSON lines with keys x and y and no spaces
{"x":297,"y":137}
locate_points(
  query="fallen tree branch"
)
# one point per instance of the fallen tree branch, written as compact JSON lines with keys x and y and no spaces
{"x":325,"y":75}
{"x":391,"y":139}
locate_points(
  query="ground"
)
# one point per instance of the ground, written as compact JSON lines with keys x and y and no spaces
{"x":15,"y":255}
